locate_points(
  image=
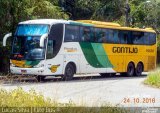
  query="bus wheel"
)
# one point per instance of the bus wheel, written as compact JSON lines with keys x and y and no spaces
{"x":69,"y":72}
{"x":139,"y":69}
{"x":130,"y":69}
{"x":40,"y":78}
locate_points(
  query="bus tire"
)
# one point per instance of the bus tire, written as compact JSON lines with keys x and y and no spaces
{"x":130,"y":69}
{"x":139,"y":69}
{"x":40,"y":78}
{"x":69,"y":72}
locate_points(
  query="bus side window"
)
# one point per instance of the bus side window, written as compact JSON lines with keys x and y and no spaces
{"x":110,"y":36}
{"x":123,"y":35}
{"x":103,"y":36}
{"x":86,"y":34}
{"x":142,"y":38}
{"x":50,"y":49}
{"x":97,"y":35}
{"x":129,"y":37}
{"x":116,"y":38}
{"x":152,"y":38}
{"x":146,"y":38}
{"x":134,"y":38}
{"x":71,"y":33}
{"x":92,"y":38}
{"x":56,"y":34}
{"x":138,"y":37}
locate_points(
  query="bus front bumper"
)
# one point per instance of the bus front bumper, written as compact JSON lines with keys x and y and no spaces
{"x":27,"y":71}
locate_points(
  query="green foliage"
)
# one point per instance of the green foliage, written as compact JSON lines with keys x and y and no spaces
{"x":98,"y":10}
{"x":153,"y":78}
{"x":20,"y":98}
{"x":142,"y":13}
{"x":145,"y":13}
{"x":108,"y":11}
{"x":14,"y":11}
{"x":45,"y":9}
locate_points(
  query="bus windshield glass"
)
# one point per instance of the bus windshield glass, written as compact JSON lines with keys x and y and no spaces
{"x":31,"y":30}
{"x":26,"y":45}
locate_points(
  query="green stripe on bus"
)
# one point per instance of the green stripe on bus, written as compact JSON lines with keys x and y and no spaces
{"x":101,"y":55}
{"x":80,"y":23}
{"x":90,"y":54}
{"x":75,"y":23}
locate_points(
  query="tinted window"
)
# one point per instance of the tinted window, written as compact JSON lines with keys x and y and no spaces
{"x":110,"y":36}
{"x":56,"y":35}
{"x":96,"y":34}
{"x":103,"y":36}
{"x":116,"y":37}
{"x":100,"y":35}
{"x":50,"y":49}
{"x":138,"y":37}
{"x":31,"y":30}
{"x":123,"y":35}
{"x":71,"y":33}
{"x":152,"y":38}
{"x":28,"y":48}
{"x":87,"y":34}
{"x":146,"y":38}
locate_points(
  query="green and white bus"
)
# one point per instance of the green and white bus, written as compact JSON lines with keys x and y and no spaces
{"x":46,"y":47}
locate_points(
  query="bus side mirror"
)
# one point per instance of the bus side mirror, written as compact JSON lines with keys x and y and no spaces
{"x":43,"y":37}
{"x":5,"y":38}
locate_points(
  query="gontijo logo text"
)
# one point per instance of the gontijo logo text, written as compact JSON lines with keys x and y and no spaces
{"x":124,"y":50}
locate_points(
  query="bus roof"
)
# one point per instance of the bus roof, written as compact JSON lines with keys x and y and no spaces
{"x":100,"y":24}
{"x":54,"y":21}
{"x":113,"y":25}
{"x":45,"y":21}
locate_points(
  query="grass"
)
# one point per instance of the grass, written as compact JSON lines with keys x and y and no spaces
{"x":20,"y":98}
{"x":153,"y":78}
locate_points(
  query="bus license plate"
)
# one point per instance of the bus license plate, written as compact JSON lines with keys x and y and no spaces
{"x":23,"y":71}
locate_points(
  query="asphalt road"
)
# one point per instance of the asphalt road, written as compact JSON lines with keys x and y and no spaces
{"x":93,"y":91}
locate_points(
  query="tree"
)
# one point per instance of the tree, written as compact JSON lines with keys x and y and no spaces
{"x":145,"y":13}
{"x":14,"y":11}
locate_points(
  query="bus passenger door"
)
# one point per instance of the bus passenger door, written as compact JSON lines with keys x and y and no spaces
{"x":54,"y":58}
{"x":54,"y":65}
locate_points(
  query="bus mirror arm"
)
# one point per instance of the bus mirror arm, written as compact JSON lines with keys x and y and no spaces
{"x":5,"y":38}
{"x":43,"y":37}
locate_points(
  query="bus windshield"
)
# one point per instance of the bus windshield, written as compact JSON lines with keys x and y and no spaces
{"x":26,"y":45}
